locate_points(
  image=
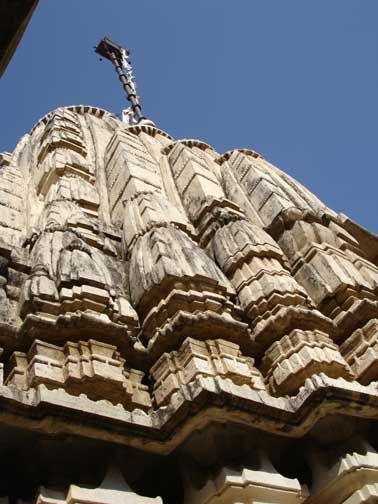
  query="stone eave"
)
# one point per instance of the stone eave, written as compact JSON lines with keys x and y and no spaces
{"x":205,"y":401}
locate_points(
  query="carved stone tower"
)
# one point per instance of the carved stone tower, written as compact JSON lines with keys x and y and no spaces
{"x":179,"y":326}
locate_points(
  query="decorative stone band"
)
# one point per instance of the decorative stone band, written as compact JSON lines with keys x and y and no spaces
{"x":92,"y":367}
{"x":360,"y":351}
{"x":365,"y":495}
{"x":245,"y":486}
{"x":347,"y":475}
{"x":148,"y":129}
{"x":226,"y":155}
{"x":150,"y":210}
{"x":299,"y":355}
{"x":62,"y":131}
{"x":130,"y":169}
{"x":341,"y":286}
{"x":179,"y":291}
{"x":189,"y":142}
{"x":202,"y":358}
{"x":113,"y":490}
{"x":162,"y":431}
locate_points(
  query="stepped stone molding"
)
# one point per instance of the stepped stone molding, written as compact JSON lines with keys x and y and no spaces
{"x":155,"y":294}
{"x":148,"y":129}
{"x":360,"y":350}
{"x":189,"y":143}
{"x":195,"y":176}
{"x":62,"y":131}
{"x":149,"y":210}
{"x":292,"y":417}
{"x":348,"y":475}
{"x":202,"y":358}
{"x":367,"y":494}
{"x":270,"y":191}
{"x":299,"y":355}
{"x":194,"y":179}
{"x":78,"y":109}
{"x":113,"y":490}
{"x":130,"y":169}
{"x":177,"y":289}
{"x":74,"y":268}
{"x":247,"y":486}
{"x":339,"y":285}
{"x":12,"y":202}
{"x":75,"y":189}
{"x":258,"y":270}
{"x":94,"y":368}
{"x":226,"y":155}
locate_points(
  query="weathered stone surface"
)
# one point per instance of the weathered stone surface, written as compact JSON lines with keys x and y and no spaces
{"x":153,"y":292}
{"x":92,"y":367}
{"x":202,"y":195}
{"x":177,"y":290}
{"x":246,"y":485}
{"x":299,"y":355}
{"x":345,"y":475}
{"x":130,"y":169}
{"x":12,"y":202}
{"x":113,"y":490}
{"x":269,"y":190}
{"x":202,"y":358}
{"x":360,"y":350}
{"x":149,"y":210}
{"x":341,"y":284}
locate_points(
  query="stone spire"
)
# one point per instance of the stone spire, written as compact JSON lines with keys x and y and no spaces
{"x":200,"y":321}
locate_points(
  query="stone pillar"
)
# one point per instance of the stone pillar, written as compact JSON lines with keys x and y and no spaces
{"x":113,"y":490}
{"x":344,"y":474}
{"x":246,"y":486}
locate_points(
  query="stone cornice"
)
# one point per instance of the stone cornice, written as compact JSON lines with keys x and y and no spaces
{"x":205,"y":401}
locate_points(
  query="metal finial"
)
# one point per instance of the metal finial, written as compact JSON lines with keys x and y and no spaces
{"x":120,"y":57}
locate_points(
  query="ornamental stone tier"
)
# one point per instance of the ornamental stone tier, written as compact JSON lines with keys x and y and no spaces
{"x":179,"y":326}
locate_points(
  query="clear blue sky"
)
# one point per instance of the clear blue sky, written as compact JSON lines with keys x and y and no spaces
{"x":295,"y":80}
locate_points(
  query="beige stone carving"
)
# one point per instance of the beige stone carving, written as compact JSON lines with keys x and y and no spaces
{"x":269,"y":190}
{"x":367,"y":494}
{"x":62,"y":161}
{"x":75,"y":189}
{"x":130,"y":169}
{"x":74,"y":268}
{"x":113,"y":490}
{"x":257,"y":269}
{"x":344,"y":475}
{"x":360,"y":350}
{"x":299,"y":355}
{"x":177,"y":289}
{"x":93,"y":368}
{"x":12,"y":202}
{"x":62,"y":152}
{"x":246,"y":486}
{"x":202,"y":358}
{"x":161,"y":302}
{"x":149,"y":210}
{"x":200,"y":191}
{"x":62,"y":130}
{"x":336,"y":280}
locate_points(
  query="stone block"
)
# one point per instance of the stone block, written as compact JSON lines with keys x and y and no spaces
{"x":246,"y":486}
{"x":360,"y":351}
{"x":113,"y":490}
{"x":130,"y":170}
{"x":149,"y":210}
{"x":91,"y":367}
{"x":298,"y":356}
{"x":202,"y":358}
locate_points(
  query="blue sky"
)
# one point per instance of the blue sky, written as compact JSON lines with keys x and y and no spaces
{"x":296,"y":80}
